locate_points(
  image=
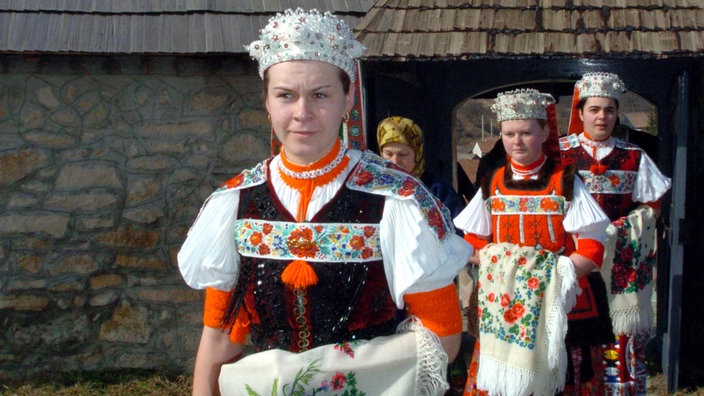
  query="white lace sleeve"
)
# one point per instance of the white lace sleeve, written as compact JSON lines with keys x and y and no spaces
{"x":415,"y":260}
{"x":208,"y":257}
{"x":651,"y":184}
{"x":584,"y":216}
{"x":475,"y":217}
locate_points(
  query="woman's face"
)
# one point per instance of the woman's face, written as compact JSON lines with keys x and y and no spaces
{"x":306,"y":102}
{"x":400,"y":154}
{"x":599,"y":117}
{"x":523,"y":140}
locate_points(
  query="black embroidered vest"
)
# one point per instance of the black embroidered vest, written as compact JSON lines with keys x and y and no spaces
{"x":350,"y":301}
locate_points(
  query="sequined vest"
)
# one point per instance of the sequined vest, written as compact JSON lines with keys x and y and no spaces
{"x":612,"y":190}
{"x":351,"y":299}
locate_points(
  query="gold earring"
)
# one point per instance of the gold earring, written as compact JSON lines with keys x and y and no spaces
{"x":268,"y":116}
{"x":346,"y":117}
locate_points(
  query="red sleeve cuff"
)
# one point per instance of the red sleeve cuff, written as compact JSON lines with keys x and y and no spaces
{"x":438,"y":309}
{"x":476,"y":241}
{"x":592,"y":250}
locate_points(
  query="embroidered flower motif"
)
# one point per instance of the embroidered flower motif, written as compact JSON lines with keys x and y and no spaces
{"x":357,"y":242}
{"x":235,"y":181}
{"x":498,"y":205}
{"x":407,"y":187}
{"x":364,"y":178}
{"x":533,"y":283}
{"x":264,"y":250}
{"x":338,"y":381}
{"x":435,"y":220}
{"x":293,"y":241}
{"x":509,"y":317}
{"x":345,"y":348}
{"x":301,"y":243}
{"x":505,"y":300}
{"x":377,"y":175}
{"x":303,"y":382}
{"x":523,"y":204}
{"x":549,"y":204}
{"x":626,"y":253}
{"x":518,"y":310}
{"x":614,"y":179}
{"x":256,"y":238}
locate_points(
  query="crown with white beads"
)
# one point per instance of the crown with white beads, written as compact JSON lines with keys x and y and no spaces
{"x":603,"y":85}
{"x":522,"y":104}
{"x":306,"y":35}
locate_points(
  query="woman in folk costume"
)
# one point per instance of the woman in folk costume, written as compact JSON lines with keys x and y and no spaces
{"x":628,"y":186}
{"x":537,"y":232}
{"x":401,"y":141}
{"x":312,"y":251}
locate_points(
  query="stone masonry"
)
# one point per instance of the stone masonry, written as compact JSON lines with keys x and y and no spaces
{"x":104,"y":164}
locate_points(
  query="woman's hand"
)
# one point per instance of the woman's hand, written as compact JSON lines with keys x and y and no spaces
{"x":582,"y":265}
{"x":474,"y":258}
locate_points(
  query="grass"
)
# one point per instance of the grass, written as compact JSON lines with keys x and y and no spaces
{"x":141,"y":382}
{"x":108,"y":383}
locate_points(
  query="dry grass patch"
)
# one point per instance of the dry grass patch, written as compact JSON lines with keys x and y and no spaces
{"x":119,"y":383}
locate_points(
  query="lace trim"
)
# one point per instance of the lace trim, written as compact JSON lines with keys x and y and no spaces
{"x":587,"y":141}
{"x":525,"y":171}
{"x":313,"y":173}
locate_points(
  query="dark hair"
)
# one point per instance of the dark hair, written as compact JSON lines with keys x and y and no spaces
{"x":344,"y":79}
{"x":583,"y":101}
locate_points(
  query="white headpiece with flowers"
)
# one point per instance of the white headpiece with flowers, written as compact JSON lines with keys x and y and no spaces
{"x":306,"y":35}
{"x":522,"y":104}
{"x":603,"y":85}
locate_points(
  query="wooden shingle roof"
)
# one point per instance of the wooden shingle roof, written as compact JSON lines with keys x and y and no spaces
{"x":461,"y":29}
{"x":147,"y":26}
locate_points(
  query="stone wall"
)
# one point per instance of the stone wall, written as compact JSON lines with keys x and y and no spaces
{"x":104,"y":163}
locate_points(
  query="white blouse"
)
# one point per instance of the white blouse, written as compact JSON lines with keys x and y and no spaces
{"x":584,"y":216}
{"x":415,"y":259}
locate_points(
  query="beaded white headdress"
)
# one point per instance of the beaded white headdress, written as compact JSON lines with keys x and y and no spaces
{"x":603,"y":85}
{"x":522,"y":104}
{"x":306,"y":35}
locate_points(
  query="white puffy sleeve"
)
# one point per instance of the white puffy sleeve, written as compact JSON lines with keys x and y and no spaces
{"x":584,"y":216}
{"x":208,"y":257}
{"x":415,"y":260}
{"x":475,"y":217}
{"x":651,"y":184}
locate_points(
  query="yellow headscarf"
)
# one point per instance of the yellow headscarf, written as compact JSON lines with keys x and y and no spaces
{"x":399,"y":129}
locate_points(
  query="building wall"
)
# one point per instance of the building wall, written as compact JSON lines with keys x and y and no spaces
{"x":104,"y":163}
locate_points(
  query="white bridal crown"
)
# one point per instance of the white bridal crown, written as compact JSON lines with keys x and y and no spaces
{"x":306,"y":35}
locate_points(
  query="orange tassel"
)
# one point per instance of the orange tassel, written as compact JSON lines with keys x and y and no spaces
{"x":299,"y":275}
{"x":597,"y":169}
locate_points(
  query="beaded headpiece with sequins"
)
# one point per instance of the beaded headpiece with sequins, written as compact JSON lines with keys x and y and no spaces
{"x":603,"y":85}
{"x":522,"y":104}
{"x":306,"y":35}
